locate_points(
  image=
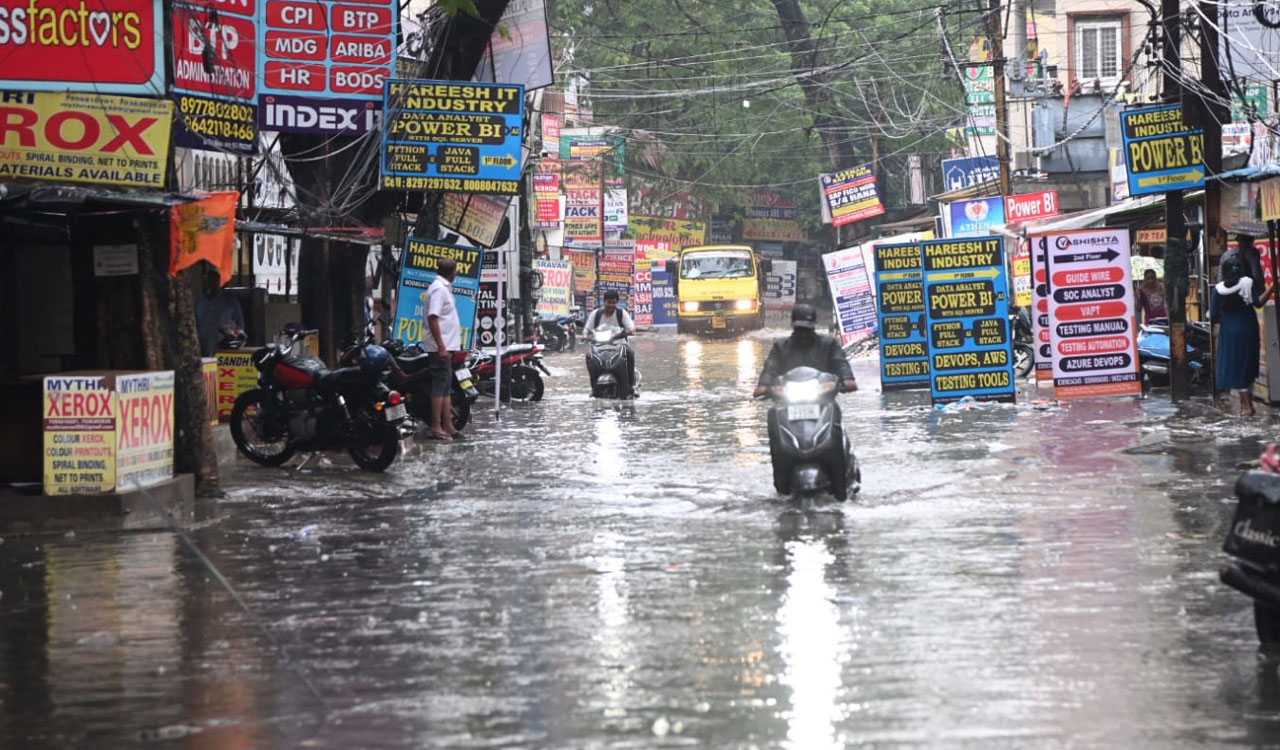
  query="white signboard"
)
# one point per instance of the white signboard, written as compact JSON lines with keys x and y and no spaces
{"x":270,"y":264}
{"x":1091,"y":312}
{"x":780,"y":285}
{"x":851,"y":291}
{"x":115,"y":260}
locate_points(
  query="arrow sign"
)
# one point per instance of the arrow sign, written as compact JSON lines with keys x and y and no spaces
{"x":1109,"y":255}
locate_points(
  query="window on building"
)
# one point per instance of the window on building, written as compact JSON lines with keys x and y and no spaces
{"x":1099,"y":51}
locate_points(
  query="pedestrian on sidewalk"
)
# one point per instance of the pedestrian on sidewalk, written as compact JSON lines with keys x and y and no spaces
{"x":1151,"y":297}
{"x":444,"y":337}
{"x":1232,"y":307}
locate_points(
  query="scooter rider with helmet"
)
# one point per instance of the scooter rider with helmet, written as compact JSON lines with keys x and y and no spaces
{"x":805,"y":347}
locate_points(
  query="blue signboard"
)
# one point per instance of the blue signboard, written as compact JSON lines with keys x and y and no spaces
{"x":976,"y":218}
{"x":958,"y":174}
{"x":904,"y":341}
{"x":418,"y":269}
{"x":1161,"y":151}
{"x":451,"y":136}
{"x":664,"y":297}
{"x":967,"y":309}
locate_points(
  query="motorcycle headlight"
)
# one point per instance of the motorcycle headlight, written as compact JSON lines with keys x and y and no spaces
{"x":689,"y":306}
{"x":744,"y":304}
{"x":805,"y":390}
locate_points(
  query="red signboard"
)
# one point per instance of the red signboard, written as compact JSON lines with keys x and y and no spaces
{"x":228,"y":41}
{"x":1028,"y":206}
{"x":99,"y":46}
{"x":341,"y":49}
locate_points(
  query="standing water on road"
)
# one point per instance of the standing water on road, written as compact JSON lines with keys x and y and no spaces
{"x":585,"y":574}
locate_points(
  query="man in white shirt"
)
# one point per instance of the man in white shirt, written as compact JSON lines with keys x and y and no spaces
{"x":613,"y":317}
{"x":444,"y":337}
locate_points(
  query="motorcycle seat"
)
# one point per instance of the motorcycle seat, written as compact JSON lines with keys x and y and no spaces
{"x":312,"y":366}
{"x":330,"y":380}
{"x":414,"y":363}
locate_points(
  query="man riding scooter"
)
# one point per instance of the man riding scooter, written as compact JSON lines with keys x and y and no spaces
{"x":805,"y":348}
{"x":614,"y":317}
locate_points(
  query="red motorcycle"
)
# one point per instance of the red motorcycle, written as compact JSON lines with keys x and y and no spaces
{"x":520,"y":366}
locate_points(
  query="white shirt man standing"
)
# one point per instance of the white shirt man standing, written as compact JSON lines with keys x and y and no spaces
{"x":444,"y":337}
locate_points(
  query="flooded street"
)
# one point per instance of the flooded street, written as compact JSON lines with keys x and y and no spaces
{"x":588,"y":575}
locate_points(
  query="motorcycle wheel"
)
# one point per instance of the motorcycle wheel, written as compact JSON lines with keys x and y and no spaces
{"x":1024,"y":359}
{"x":1267,"y":622}
{"x":377,"y":456}
{"x":523,"y":384}
{"x":552,"y":339}
{"x":246,"y":430}
{"x":461,"y":411}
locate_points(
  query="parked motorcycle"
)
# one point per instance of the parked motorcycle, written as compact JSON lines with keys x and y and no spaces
{"x":300,"y":405}
{"x":1153,"y":351}
{"x":1253,"y":541}
{"x":810,"y":451}
{"x":607,"y":366}
{"x":559,"y":333}
{"x":520,"y":366}
{"x":1024,"y":340}
{"x":409,"y":376}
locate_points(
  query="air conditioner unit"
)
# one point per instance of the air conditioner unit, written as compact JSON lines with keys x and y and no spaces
{"x":1025,"y":161}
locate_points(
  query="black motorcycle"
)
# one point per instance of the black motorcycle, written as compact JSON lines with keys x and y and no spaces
{"x":409,"y":376}
{"x":1253,"y":541}
{"x":810,"y":451}
{"x":607,"y":366}
{"x":300,"y":405}
{"x":1024,"y":340}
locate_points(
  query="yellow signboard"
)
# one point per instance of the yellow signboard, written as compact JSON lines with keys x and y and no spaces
{"x":81,"y":137}
{"x":1154,"y":236}
{"x":680,"y":233}
{"x":1270,"y":199}
{"x":144,"y":429}
{"x":79,"y":435}
{"x":236,"y":374}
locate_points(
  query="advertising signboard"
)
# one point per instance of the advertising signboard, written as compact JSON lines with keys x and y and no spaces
{"x":617,"y":266}
{"x":976,"y":218}
{"x":1091,"y":312}
{"x":477,"y":217}
{"x":519,"y":49}
{"x":584,"y":274}
{"x":92,"y":46}
{"x":615,"y":205}
{"x":851,"y":195}
{"x":236,"y":374}
{"x":904,"y":343}
{"x":1022,"y":283}
{"x":215,"y":50}
{"x":642,"y":294}
{"x":1161,"y":152}
{"x":665,"y":304}
{"x":144,"y":429}
{"x":418,"y":270}
{"x":980,"y":96}
{"x":967,"y":312}
{"x":210,"y":124}
{"x":851,"y":291}
{"x":461,"y":138}
{"x":557,"y":286}
{"x":79,"y":435}
{"x":319,"y":49}
{"x":1040,"y":314}
{"x":969,"y":171}
{"x":677,"y":233}
{"x":780,"y":285}
{"x":1029,"y":206}
{"x":73,"y":137}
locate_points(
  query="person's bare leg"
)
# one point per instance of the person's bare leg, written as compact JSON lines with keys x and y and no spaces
{"x":1246,"y":402}
{"x":439,"y":408}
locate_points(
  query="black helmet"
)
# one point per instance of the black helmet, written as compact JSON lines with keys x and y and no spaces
{"x":804,"y":316}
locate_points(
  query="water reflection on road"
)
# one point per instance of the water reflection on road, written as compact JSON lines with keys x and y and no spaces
{"x":585,"y":574}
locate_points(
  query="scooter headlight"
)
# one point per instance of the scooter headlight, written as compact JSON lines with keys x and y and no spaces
{"x":602,"y":337}
{"x":805,"y":390}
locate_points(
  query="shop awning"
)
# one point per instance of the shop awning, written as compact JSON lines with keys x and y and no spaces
{"x":68,"y":199}
{"x":1251,"y":174}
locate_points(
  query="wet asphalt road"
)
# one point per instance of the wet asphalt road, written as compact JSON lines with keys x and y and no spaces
{"x":592,"y":575}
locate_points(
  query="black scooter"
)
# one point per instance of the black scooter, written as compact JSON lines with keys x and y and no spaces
{"x":1253,"y":541}
{"x":811,"y":452}
{"x":607,"y":366}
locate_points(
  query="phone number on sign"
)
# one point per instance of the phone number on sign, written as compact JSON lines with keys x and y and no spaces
{"x":211,"y":108}
{"x":212,"y":128}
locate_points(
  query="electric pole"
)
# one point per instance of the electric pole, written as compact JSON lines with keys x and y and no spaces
{"x":994,"y":36}
{"x":1176,"y":251}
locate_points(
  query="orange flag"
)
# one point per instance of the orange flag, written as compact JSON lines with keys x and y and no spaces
{"x":204,"y":230}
